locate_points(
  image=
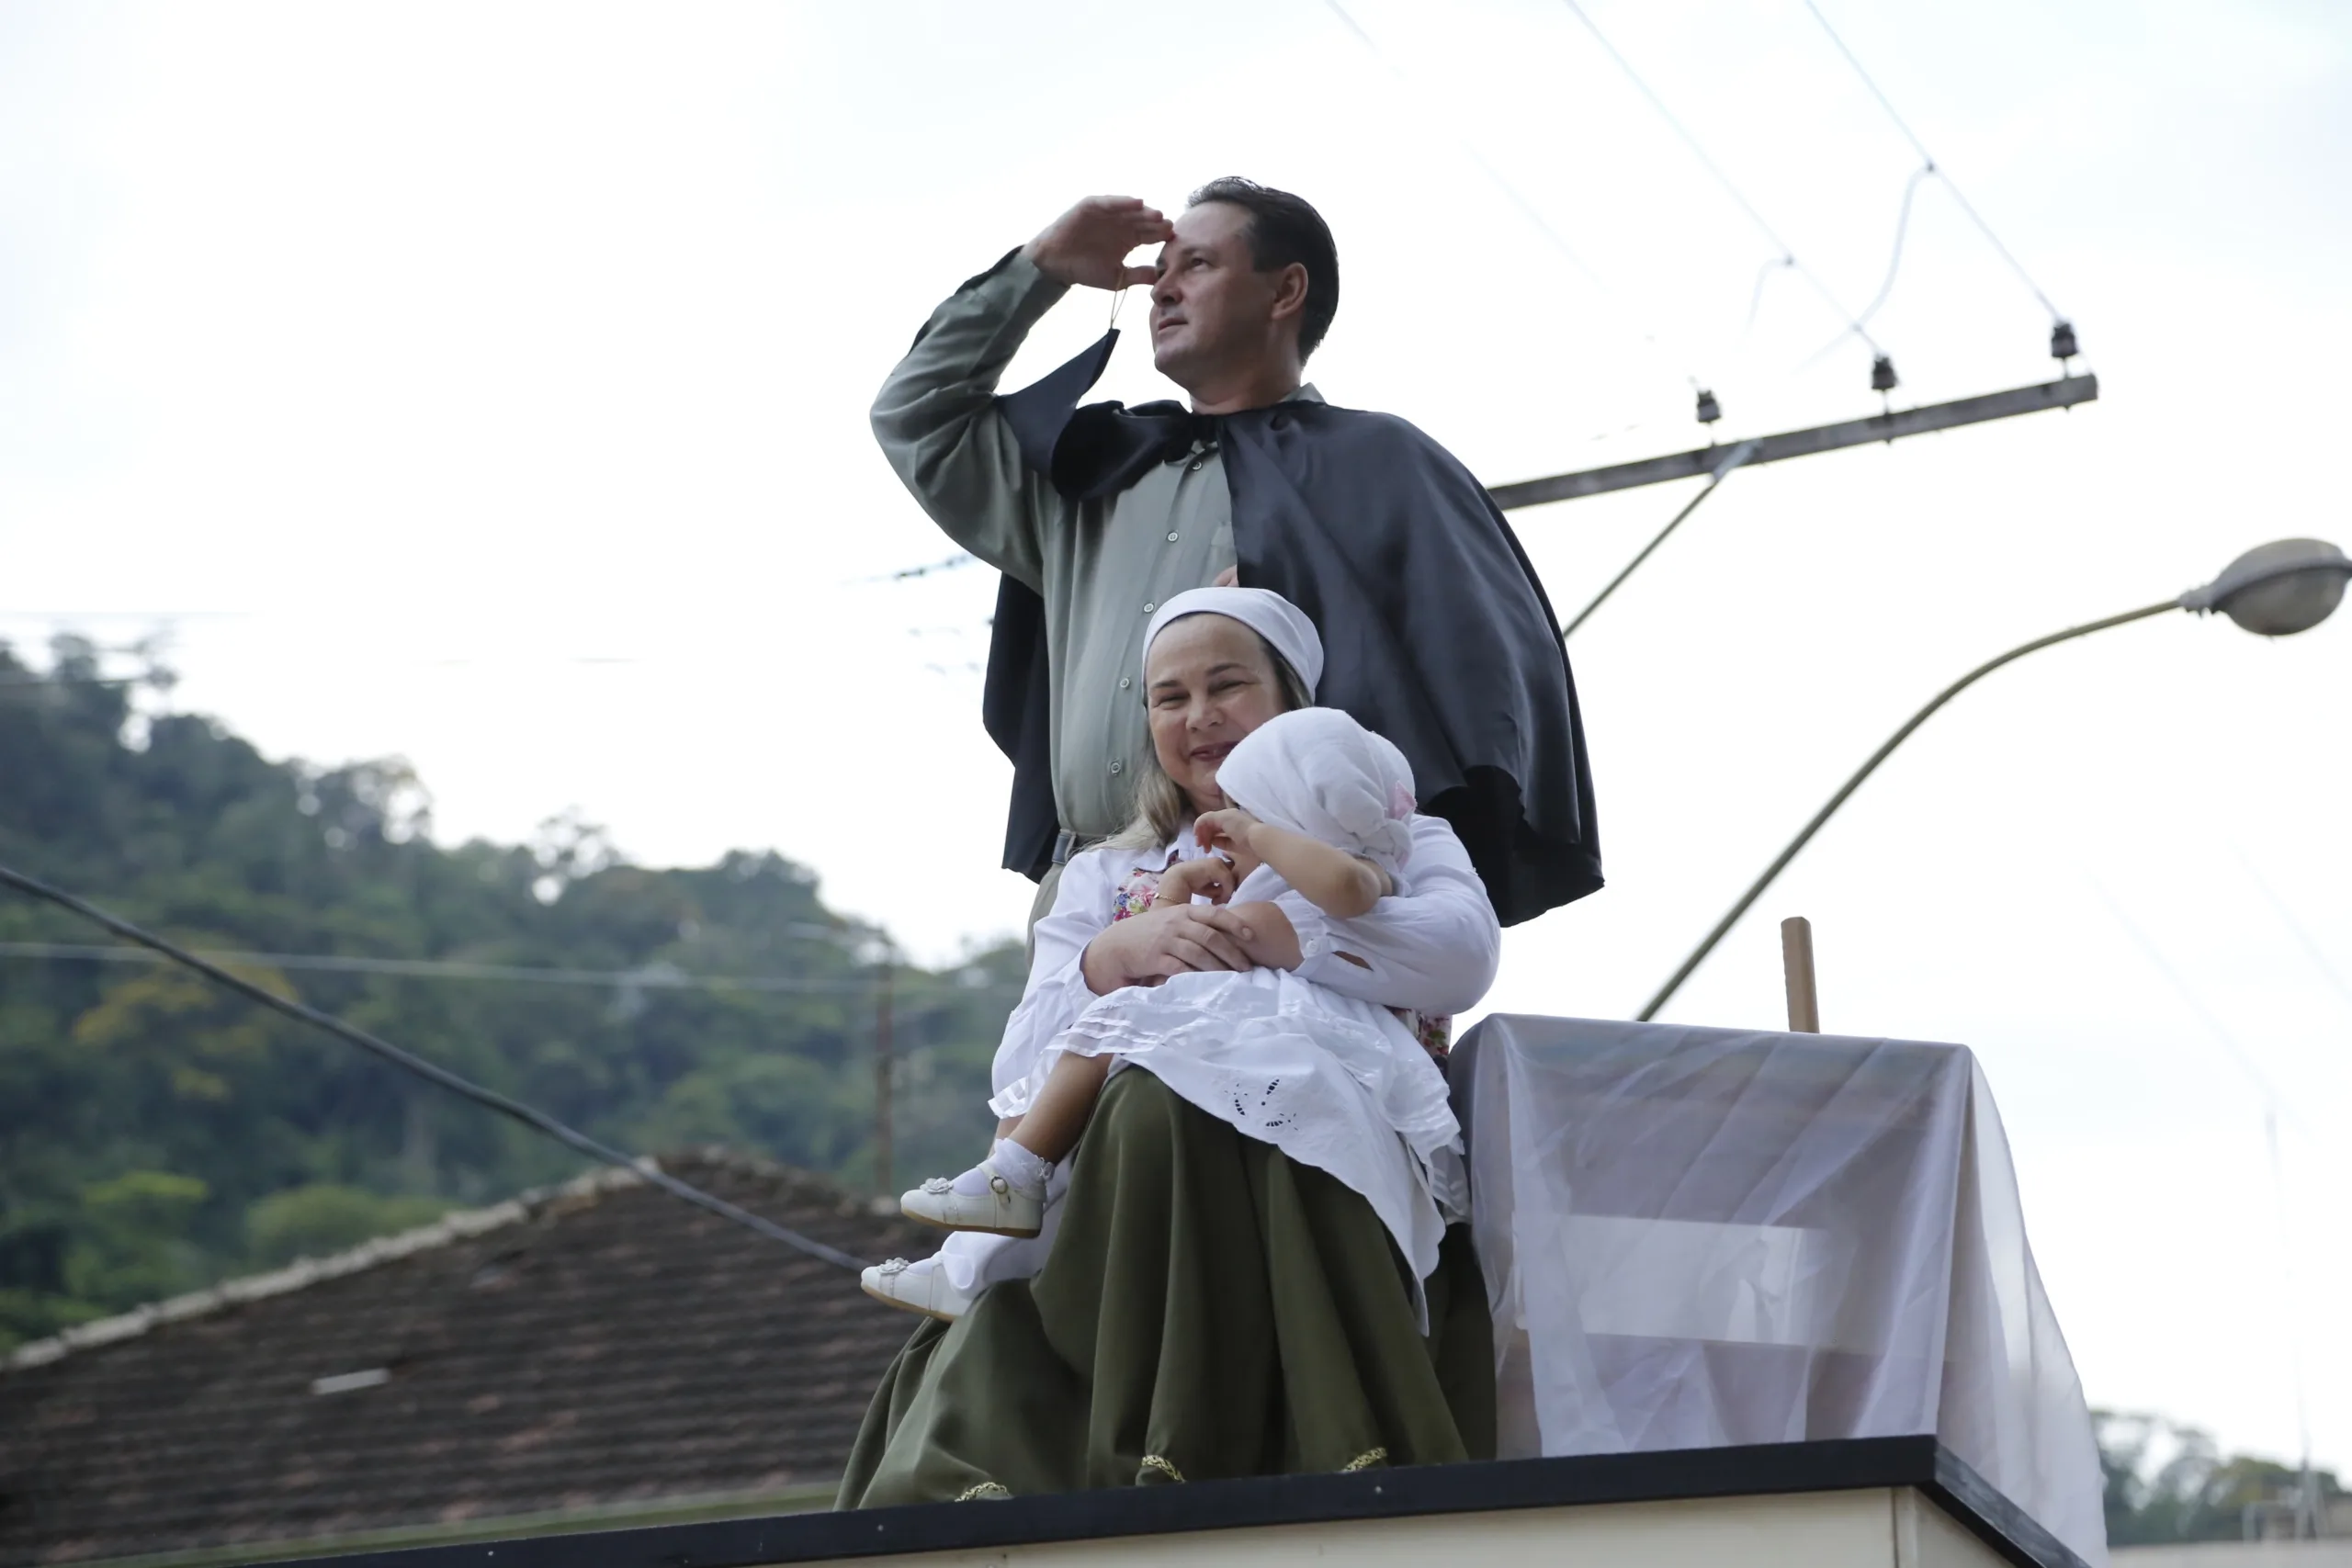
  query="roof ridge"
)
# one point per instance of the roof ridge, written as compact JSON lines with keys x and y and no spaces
{"x":458,"y":1225}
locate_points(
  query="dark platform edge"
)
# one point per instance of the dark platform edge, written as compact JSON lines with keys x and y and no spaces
{"x":1762,"y":1469}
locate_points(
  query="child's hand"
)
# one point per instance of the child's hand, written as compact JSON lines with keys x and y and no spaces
{"x":1227,"y":833}
{"x":1226,"y":830}
{"x":1209,"y":874}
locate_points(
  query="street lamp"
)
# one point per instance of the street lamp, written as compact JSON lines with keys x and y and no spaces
{"x":2274,"y":590}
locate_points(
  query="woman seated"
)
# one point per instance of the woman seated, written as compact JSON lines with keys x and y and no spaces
{"x":1217,"y":1293}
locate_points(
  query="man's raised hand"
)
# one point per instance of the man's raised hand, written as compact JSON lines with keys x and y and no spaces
{"x":1090,"y":243}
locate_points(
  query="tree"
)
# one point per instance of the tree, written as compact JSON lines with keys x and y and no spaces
{"x":156,"y":1135}
{"x":2169,"y":1483}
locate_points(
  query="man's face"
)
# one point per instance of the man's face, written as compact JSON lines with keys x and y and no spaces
{"x":1211,"y":308}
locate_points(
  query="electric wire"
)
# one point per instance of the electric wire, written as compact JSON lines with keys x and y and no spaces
{"x":1930,"y":166}
{"x":2295,"y":927}
{"x":2205,"y":1015}
{"x":2272,"y":1109}
{"x":1527,"y":209}
{"x":1706,"y":161}
{"x":2308,"y":1498}
{"x":409,"y":1062}
{"x":1738,"y":455}
{"x":961,"y":558}
{"x":654,"y":978}
{"x":1894,"y":266}
{"x":1902,"y":228}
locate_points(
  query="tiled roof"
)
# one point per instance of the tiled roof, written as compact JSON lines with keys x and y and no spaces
{"x":588,"y":1345}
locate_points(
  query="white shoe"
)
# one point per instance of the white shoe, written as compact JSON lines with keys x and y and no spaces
{"x":999,"y":1208}
{"x":916,"y":1287}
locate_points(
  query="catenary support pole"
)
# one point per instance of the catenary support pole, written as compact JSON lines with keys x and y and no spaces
{"x":1893,"y":425}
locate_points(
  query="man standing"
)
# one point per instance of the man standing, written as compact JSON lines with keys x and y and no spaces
{"x":1437,"y":634}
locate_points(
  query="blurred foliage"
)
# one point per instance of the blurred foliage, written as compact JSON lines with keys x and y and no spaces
{"x":2170,"y":1482}
{"x":157,"y":1134}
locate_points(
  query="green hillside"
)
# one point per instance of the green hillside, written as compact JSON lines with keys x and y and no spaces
{"x":155,"y":1135}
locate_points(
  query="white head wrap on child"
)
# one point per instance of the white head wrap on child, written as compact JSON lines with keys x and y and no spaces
{"x":1317,"y":771}
{"x":1282,"y":624}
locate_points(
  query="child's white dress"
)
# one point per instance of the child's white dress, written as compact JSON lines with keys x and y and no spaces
{"x":1432,"y":948}
{"x":1334,"y":1081}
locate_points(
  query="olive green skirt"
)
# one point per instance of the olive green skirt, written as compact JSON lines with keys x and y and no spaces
{"x":1210,"y":1308}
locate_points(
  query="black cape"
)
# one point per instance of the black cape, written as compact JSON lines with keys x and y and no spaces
{"x":1436,"y":632}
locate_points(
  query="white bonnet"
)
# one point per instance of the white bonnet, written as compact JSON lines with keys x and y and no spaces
{"x":1319,"y":772}
{"x":1282,"y":624}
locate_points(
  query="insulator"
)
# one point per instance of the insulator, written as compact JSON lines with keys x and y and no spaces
{"x":2062,"y":341}
{"x":1883,"y":377}
{"x":1710,"y":410}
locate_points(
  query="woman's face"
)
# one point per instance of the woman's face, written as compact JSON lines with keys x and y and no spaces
{"x":1207,"y":683}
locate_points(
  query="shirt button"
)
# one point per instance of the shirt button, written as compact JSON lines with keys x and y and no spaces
{"x":1125,"y":680}
{"x":1193,"y":467}
{"x":1148,"y":609}
{"x":1116,"y":767}
{"x":1172,"y":538}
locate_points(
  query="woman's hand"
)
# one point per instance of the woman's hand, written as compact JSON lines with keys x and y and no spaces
{"x":1272,"y":941}
{"x":1179,"y":939}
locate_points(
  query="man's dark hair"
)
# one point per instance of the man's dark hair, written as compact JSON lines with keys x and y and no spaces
{"x":1284,"y":229}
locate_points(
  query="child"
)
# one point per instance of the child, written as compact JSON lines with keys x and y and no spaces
{"x":1317,"y":805}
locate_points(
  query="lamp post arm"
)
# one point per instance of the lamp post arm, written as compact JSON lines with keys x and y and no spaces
{"x":1804,"y":837}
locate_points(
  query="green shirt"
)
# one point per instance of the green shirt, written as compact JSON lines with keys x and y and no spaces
{"x":1101,"y":566}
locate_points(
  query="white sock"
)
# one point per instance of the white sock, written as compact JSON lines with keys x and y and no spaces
{"x":1016,"y":1164}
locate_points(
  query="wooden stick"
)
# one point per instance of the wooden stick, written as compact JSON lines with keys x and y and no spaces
{"x":1796,"y":965}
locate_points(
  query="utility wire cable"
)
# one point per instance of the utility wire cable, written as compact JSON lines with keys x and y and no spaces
{"x":1894,"y":266}
{"x":654,"y":977}
{"x":2213,"y":1025}
{"x":904,"y":573}
{"x":1738,"y":455}
{"x":431,"y":1072}
{"x":2287,"y":917}
{"x":1902,"y":229}
{"x":1788,"y":252}
{"x":1527,"y":209}
{"x":2271,"y":1110}
{"x":1931,"y":166}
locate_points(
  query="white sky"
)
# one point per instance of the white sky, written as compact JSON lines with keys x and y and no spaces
{"x":487,"y":385}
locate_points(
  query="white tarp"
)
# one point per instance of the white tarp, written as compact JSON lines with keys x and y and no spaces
{"x":1695,"y":1238}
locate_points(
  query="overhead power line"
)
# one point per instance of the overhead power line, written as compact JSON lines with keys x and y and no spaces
{"x":651,"y":977}
{"x":1929,"y":166}
{"x":539,"y":1120}
{"x":1731,"y":187}
{"x":1527,"y":209}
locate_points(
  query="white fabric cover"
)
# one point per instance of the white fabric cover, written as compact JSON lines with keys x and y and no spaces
{"x":1698,"y":1238}
{"x":1317,"y":771}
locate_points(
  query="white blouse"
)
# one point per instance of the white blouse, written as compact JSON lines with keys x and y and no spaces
{"x":1432,"y":947}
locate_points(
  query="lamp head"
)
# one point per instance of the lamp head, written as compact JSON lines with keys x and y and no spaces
{"x":2278,"y":589}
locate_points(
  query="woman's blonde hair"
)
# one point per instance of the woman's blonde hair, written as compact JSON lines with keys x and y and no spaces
{"x":1161,"y":807}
